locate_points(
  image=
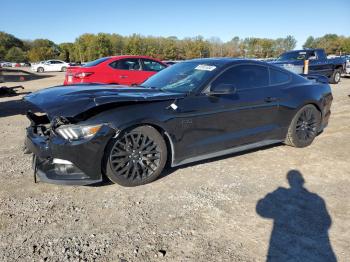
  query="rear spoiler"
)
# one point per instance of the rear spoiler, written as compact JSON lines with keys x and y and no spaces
{"x":318,"y":78}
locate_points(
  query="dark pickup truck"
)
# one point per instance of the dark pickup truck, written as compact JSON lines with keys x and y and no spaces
{"x":318,"y":63}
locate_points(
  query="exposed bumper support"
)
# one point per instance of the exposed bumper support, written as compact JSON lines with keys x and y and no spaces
{"x":59,"y":161}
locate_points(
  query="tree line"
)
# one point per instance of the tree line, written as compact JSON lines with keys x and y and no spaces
{"x":89,"y":47}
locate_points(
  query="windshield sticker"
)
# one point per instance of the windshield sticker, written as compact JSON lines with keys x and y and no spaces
{"x":205,"y":67}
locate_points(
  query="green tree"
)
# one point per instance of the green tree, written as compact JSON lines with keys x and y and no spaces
{"x":118,"y":44}
{"x":234,"y":48}
{"x":134,"y":45}
{"x":43,"y":49}
{"x":16,"y":54}
{"x":101,"y":46}
{"x":83,"y":48}
{"x":66,"y":52}
{"x":216,"y":47}
{"x":309,"y":43}
{"x":170,"y":49}
{"x":8,"y":41}
{"x":289,"y":43}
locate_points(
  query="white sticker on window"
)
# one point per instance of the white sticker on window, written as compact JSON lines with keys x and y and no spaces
{"x":205,"y":67}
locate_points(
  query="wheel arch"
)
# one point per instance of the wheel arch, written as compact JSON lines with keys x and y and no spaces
{"x":339,"y":67}
{"x":162,"y":131}
{"x":311,"y":102}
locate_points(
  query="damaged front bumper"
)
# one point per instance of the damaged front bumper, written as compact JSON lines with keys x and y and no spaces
{"x":59,"y":161}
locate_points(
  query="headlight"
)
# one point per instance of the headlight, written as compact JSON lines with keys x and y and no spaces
{"x":76,"y":132}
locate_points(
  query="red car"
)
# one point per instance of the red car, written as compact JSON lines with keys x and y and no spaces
{"x":121,"y":70}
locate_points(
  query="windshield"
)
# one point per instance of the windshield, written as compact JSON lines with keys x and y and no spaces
{"x":292,"y":56}
{"x":95,"y":62}
{"x":182,"y":77}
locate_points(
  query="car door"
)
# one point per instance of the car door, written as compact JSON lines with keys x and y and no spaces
{"x":58,"y":65}
{"x":150,"y":67}
{"x":212,"y":123}
{"x":319,"y":64}
{"x":49,"y":66}
{"x":126,"y":71}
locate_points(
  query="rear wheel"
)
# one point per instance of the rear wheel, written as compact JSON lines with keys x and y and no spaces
{"x":304,"y":127}
{"x":335,"y":78}
{"x":40,"y":70}
{"x":136,"y":157}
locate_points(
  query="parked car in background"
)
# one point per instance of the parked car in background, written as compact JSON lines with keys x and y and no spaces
{"x":25,"y":64}
{"x":6,"y":64}
{"x":121,"y":70}
{"x":190,"y":111}
{"x":50,"y":66}
{"x":318,"y":63}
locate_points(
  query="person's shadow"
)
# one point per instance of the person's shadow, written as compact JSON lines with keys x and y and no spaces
{"x":301,"y":223}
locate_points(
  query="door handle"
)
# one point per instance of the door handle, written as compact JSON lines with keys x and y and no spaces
{"x":123,"y":76}
{"x":270,"y":99}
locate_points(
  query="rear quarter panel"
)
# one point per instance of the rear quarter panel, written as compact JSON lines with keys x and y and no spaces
{"x":298,"y":95}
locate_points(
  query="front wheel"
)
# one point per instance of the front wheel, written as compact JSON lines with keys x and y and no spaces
{"x":64,"y":69}
{"x":40,"y":70}
{"x":136,"y":157}
{"x":304,"y":127}
{"x":335,"y":78}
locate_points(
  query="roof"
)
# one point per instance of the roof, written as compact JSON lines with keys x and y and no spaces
{"x":304,"y":50}
{"x":223,"y":61}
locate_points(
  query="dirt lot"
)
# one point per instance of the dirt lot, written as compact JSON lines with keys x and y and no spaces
{"x":201,"y":212}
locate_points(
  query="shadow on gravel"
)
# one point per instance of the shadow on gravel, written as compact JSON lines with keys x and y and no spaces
{"x":18,"y":75}
{"x":14,"y":107}
{"x":168,"y":171}
{"x":301,"y":223}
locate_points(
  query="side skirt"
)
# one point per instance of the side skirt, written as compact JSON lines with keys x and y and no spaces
{"x":227,"y":151}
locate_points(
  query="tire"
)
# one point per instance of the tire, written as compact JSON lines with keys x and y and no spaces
{"x":335,"y":78}
{"x":304,"y":127}
{"x":127,"y":161}
{"x":64,"y":69}
{"x":40,"y":70}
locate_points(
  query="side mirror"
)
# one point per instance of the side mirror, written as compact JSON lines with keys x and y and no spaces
{"x":222,"y":89}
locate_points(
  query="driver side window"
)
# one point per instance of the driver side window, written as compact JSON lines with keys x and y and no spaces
{"x":150,"y":65}
{"x":126,"y":64}
{"x":244,"y":77}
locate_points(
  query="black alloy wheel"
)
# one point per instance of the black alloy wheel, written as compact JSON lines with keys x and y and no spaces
{"x":304,"y":127}
{"x":137,"y":157}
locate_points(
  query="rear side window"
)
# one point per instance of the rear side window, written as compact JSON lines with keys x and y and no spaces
{"x":126,"y":64}
{"x":278,"y":77}
{"x":96,"y":62}
{"x":150,"y":65}
{"x":244,"y":77}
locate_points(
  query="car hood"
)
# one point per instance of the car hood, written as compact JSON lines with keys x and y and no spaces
{"x":73,"y":100}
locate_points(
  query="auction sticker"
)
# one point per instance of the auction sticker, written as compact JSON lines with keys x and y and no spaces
{"x":205,"y":67}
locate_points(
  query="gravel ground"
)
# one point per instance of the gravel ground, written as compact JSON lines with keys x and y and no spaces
{"x":234,"y":208}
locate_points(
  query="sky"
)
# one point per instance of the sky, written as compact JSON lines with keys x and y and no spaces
{"x":64,"y":20}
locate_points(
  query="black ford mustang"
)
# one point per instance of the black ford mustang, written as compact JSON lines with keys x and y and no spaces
{"x":191,"y":111}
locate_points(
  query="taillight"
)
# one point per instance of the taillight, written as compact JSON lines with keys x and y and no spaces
{"x":83,"y":74}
